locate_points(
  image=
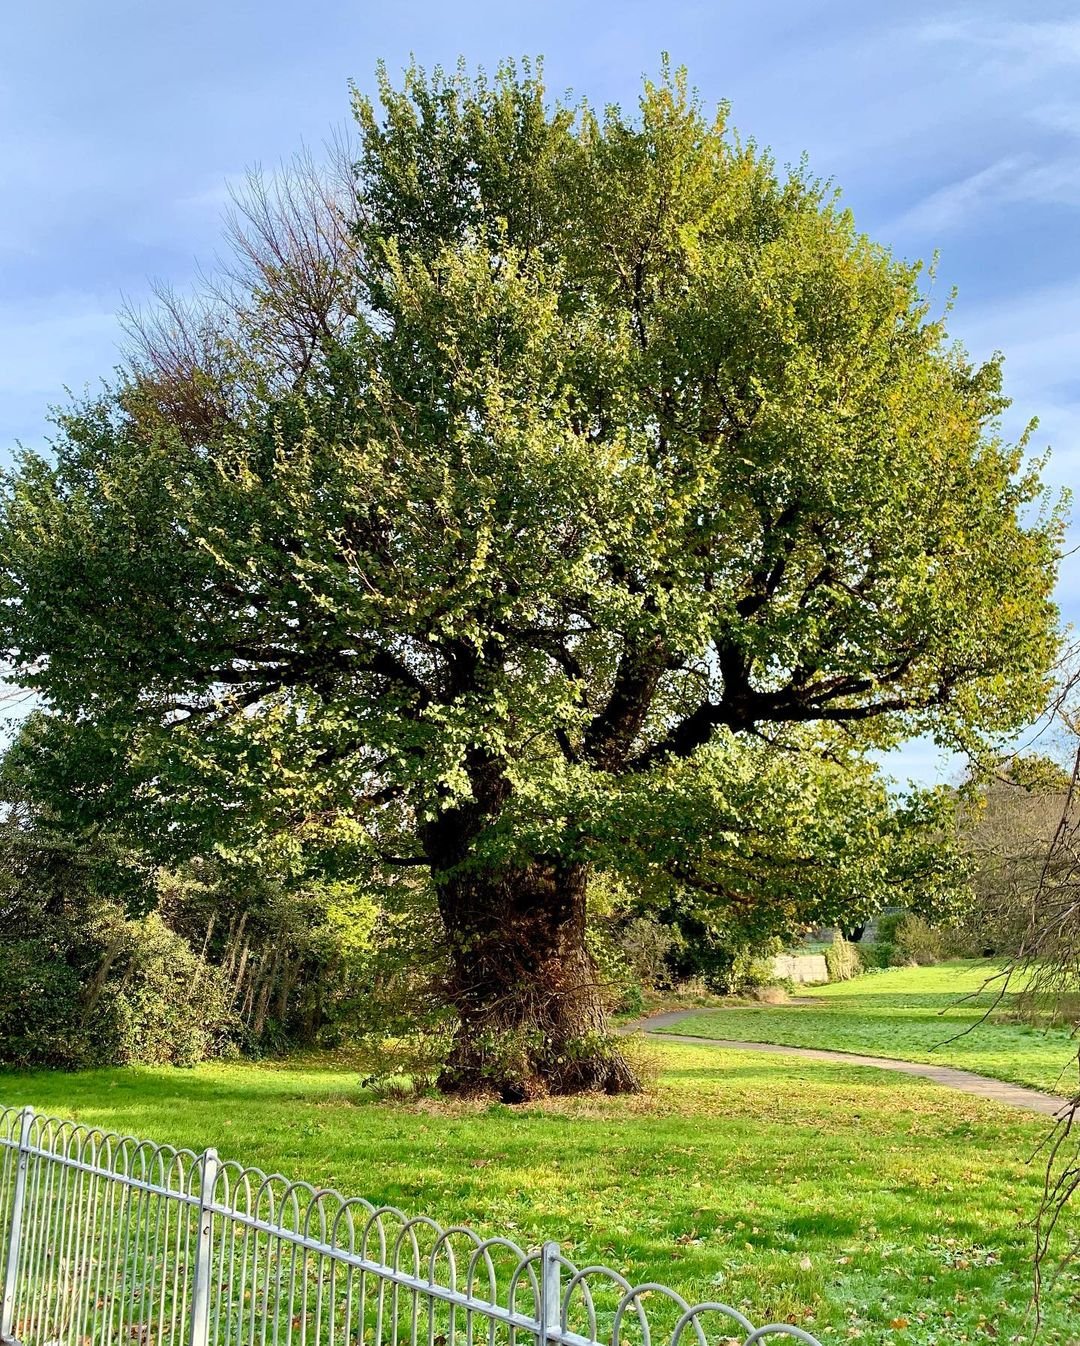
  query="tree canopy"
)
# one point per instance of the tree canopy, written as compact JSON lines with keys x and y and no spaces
{"x":541,"y":492}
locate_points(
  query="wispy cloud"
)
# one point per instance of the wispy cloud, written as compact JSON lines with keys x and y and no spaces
{"x":1019,"y":47}
{"x":1028,"y":67}
{"x":958,"y":118}
{"x":1008,"y":181}
{"x":44,"y":346}
{"x":1062,"y":117}
{"x":1039,"y":330}
{"x":949,"y":206}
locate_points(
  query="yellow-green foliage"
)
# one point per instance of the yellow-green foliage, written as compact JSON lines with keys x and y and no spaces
{"x":842,"y":959}
{"x":522,"y":497}
{"x":917,"y":941}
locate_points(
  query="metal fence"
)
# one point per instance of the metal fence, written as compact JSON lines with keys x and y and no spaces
{"x":110,"y":1241}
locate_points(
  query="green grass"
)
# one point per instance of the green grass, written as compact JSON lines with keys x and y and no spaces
{"x":844,"y":1199}
{"x":932,"y":1014}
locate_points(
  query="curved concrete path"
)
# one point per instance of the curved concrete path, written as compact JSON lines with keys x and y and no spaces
{"x":979,"y":1086}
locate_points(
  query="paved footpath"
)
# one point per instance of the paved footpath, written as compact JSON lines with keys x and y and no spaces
{"x":1016,"y":1095}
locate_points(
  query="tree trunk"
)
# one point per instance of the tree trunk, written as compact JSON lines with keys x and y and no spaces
{"x":531,"y":1017}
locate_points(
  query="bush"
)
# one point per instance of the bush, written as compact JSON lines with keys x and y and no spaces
{"x":238,"y":954}
{"x":842,"y":959}
{"x":37,"y":1026}
{"x":771,"y":995}
{"x":630,"y":999}
{"x":298,"y":954}
{"x":131,"y":991}
{"x":917,"y":942}
{"x":633,"y":952}
{"x":620,"y":990}
{"x":162,"y":1003}
{"x":904,"y":939}
{"x":741,"y":968}
{"x":886,"y":927}
{"x":399,"y":1067}
{"x":645,"y":945}
{"x":754,"y":969}
{"x":958,"y":941}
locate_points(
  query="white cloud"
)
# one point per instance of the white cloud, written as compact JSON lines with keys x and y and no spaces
{"x":1039,"y":331}
{"x":952,"y":204}
{"x":1062,"y":117}
{"x":1019,"y":49}
{"x":1054,"y":182}
{"x":1006,"y":75}
{"x":1009,"y":181}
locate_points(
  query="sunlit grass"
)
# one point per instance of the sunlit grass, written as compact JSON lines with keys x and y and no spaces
{"x":846,"y":1200}
{"x":953,"y":1014}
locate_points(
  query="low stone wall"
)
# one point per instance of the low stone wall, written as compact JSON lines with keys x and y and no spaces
{"x":800,"y":968}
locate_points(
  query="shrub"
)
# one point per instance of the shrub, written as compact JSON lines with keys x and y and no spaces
{"x":755,"y":969}
{"x":396,"y":1067}
{"x":37,"y":1027}
{"x":886,"y":927}
{"x":770,"y":995}
{"x":620,"y":990}
{"x":131,"y":991}
{"x":842,"y":959}
{"x":958,"y":941}
{"x":883,"y":953}
{"x":917,"y":942}
{"x":161,"y":1004}
{"x":630,"y":999}
{"x":645,"y":945}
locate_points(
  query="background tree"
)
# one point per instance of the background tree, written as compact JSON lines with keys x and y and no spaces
{"x":1025,"y":837}
{"x":1007,"y":819}
{"x":90,"y":975}
{"x":554,"y":492}
{"x":112,"y":957}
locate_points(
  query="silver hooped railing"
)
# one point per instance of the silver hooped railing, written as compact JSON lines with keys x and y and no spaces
{"x":106,"y":1240}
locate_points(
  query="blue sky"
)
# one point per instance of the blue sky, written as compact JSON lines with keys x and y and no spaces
{"x":949,"y":127}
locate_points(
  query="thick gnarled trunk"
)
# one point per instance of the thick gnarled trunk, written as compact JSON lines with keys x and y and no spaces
{"x":531,"y":1014}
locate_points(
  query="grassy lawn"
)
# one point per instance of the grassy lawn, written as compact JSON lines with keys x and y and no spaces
{"x":912,"y":1014}
{"x":861,"y":1205}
